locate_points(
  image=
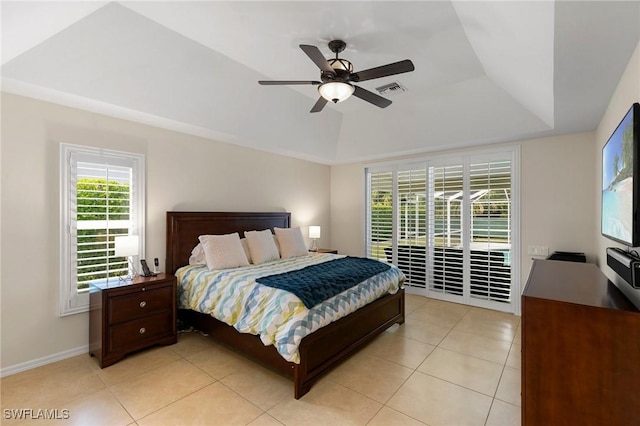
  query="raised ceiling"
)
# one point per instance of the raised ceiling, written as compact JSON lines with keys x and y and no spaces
{"x":485,"y":71}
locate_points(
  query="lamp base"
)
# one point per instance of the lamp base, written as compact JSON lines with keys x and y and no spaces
{"x":131,"y":271}
{"x":314,"y":245}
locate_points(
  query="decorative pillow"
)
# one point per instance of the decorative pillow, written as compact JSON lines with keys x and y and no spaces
{"x":223,"y":251}
{"x":291,"y":242}
{"x":261,"y":246}
{"x":197,"y":256}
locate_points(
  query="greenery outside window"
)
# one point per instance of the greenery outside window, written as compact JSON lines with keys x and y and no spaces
{"x":102,"y":196}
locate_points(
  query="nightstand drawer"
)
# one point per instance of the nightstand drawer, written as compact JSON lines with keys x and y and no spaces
{"x":132,"y":333}
{"x":138,"y":304}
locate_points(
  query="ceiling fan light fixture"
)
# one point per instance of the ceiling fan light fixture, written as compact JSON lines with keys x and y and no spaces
{"x":336,"y":91}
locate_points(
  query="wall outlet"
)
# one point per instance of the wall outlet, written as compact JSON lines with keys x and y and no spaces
{"x":538,"y":250}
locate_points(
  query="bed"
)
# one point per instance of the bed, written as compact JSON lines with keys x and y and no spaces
{"x":319,"y":351}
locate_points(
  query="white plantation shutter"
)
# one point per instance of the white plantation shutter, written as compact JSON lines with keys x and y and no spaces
{"x":102,"y":197}
{"x":446,"y":271}
{"x":490,"y":218}
{"x":380,"y":217}
{"x":412,"y":228}
{"x":448,"y":224}
{"x":103,"y":211}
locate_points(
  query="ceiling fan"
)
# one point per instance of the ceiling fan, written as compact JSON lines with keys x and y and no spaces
{"x":337,"y":77}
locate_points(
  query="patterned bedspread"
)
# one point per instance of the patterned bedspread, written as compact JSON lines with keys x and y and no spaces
{"x":277,"y":316}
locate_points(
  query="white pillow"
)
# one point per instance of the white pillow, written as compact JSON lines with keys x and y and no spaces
{"x":245,"y":247}
{"x":223,"y":251}
{"x":197,"y":256}
{"x":291,"y":242}
{"x":261,"y":246}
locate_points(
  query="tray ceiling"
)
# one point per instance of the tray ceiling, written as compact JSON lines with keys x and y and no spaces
{"x":485,"y":71}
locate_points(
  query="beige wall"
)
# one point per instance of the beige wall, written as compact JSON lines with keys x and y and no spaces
{"x":556,"y":198}
{"x":183,"y":173}
{"x":627,"y":92}
{"x":348,"y":209}
{"x":556,"y":208}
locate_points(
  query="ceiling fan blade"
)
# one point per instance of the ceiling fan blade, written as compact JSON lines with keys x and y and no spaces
{"x":371,"y":97}
{"x":383,"y":71}
{"x":317,"y":57}
{"x":276,"y":82}
{"x":319,"y":105}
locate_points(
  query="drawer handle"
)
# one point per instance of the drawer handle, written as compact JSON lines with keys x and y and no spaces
{"x":142,"y":330}
{"x":143,"y":304}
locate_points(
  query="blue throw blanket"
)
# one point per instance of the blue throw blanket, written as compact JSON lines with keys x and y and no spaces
{"x":317,"y":283}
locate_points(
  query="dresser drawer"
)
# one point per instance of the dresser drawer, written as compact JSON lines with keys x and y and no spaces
{"x":138,"y":304}
{"x":136,"y":332}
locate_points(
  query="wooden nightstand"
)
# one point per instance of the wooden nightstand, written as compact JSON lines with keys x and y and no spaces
{"x":325,"y":250}
{"x":127,"y":316}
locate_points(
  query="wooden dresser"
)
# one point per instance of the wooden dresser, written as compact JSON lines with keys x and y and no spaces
{"x":580,"y":348}
{"x":127,"y":316}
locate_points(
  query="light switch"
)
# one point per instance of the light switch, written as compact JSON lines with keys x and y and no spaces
{"x":538,"y":250}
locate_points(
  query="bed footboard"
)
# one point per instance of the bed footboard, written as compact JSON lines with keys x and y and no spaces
{"x":327,"y":347}
{"x":320,"y":351}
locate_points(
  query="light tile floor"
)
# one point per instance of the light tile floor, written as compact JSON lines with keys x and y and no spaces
{"x":448,"y":364}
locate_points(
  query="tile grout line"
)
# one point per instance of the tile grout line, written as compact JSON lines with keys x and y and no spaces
{"x":504,"y":365}
{"x":415,"y":370}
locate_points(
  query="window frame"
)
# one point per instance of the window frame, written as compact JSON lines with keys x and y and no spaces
{"x":72,"y":301}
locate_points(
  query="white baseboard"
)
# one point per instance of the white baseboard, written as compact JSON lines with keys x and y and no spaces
{"x":49,"y":359}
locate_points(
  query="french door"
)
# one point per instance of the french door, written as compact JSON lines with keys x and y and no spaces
{"x":449,"y":224}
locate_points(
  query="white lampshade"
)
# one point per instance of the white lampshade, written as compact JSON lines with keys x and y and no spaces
{"x":335,"y":91}
{"x":126,"y":245}
{"x":314,"y":232}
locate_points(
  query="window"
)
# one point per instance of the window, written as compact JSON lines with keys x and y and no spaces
{"x":102,"y":196}
{"x":448,"y":224}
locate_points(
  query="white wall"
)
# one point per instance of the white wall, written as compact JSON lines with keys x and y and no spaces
{"x":183,"y":173}
{"x":627,"y":92}
{"x":556,"y":201}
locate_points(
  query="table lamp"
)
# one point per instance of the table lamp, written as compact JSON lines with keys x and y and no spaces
{"x":127,"y":246}
{"x":314,"y":234}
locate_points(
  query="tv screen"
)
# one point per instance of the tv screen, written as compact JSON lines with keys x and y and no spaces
{"x":620,"y":181}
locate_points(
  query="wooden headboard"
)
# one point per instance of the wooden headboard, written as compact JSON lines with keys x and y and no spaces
{"x":184,"y":228}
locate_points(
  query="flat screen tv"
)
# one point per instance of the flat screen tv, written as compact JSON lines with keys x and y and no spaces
{"x":621,"y":181}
